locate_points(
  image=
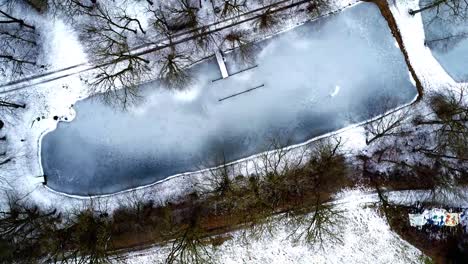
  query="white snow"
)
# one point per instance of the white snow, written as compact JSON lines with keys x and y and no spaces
{"x":366,"y":238}
{"x":430,"y":72}
{"x":336,"y":91}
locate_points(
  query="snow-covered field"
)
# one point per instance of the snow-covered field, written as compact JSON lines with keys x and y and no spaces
{"x":365,"y":235}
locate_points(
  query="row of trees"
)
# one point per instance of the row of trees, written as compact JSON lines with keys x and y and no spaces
{"x":116,"y":40}
{"x":8,"y":106}
{"x":19,"y":47}
{"x":111,"y":36}
{"x":297,"y":192}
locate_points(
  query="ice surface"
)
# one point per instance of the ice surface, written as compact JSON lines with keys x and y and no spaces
{"x":335,"y":92}
{"x":105,"y":150}
{"x":447,"y":37}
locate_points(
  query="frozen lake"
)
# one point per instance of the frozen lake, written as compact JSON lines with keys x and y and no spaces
{"x":315,"y":78}
{"x":447,"y":37}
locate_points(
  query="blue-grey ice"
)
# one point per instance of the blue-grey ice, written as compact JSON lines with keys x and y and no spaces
{"x":315,"y":78}
{"x":446,"y":30}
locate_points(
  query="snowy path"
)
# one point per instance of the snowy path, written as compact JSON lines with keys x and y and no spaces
{"x":430,"y":72}
{"x":158,"y":44}
{"x":366,"y":236}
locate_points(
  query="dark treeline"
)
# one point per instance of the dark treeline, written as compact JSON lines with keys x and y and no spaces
{"x":92,"y":234}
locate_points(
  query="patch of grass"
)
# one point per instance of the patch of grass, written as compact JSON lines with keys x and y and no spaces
{"x":425,"y":260}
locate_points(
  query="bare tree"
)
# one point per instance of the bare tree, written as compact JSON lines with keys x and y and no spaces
{"x":72,"y":9}
{"x":119,"y":69}
{"x":276,"y":161}
{"x":327,"y":165}
{"x":219,"y":181}
{"x":19,"y":49}
{"x":136,"y":214}
{"x":237,"y":39}
{"x":232,"y":8}
{"x":266,"y":20}
{"x":450,"y":140}
{"x":456,"y":7}
{"x":172,"y":71}
{"x":191,"y":245}
{"x":446,"y":147}
{"x":315,"y":7}
{"x":160,"y":21}
{"x":118,"y":82}
{"x":320,"y":226}
{"x":89,"y":233}
{"x":326,"y":173}
{"x":388,"y":124}
{"x":205,"y":40}
{"x":182,"y":15}
{"x":277,"y":168}
{"x":22,"y":229}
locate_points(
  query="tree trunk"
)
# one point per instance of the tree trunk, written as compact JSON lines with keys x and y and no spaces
{"x":12,"y":105}
{"x":434,"y":4}
{"x":40,"y":5}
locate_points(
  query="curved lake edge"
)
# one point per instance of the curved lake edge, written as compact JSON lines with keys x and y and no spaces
{"x":70,"y":118}
{"x":250,"y":157}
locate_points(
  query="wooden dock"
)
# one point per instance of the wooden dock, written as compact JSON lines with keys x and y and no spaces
{"x":221,"y":64}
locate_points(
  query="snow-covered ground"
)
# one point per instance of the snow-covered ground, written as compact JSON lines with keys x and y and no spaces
{"x":24,"y":174}
{"x":365,"y":235}
{"x":432,"y":75}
